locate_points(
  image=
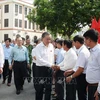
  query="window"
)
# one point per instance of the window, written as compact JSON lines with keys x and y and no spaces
{"x":20,"y":9}
{"x":33,"y":26}
{"x":35,"y":38}
{"x":36,"y":27}
{"x":6,"y":9}
{"x":25,"y":24}
{"x":16,"y":22}
{"x":20,"y":23}
{"x":16,"y":8}
{"x":29,"y":10}
{"x":25,"y":11}
{"x":6,"y":23}
{"x":5,"y":36}
{"x":29,"y":25}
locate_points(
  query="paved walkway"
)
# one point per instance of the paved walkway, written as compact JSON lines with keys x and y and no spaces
{"x":9,"y":93}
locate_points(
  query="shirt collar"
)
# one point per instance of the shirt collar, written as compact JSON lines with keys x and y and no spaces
{"x":19,"y":47}
{"x":42,"y":44}
{"x":69,"y":50}
{"x":61,"y":49}
{"x":6,"y":47}
{"x":94,"y":48}
{"x":78,"y":51}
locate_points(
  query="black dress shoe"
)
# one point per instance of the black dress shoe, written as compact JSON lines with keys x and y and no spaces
{"x":8,"y":84}
{"x":3,"y":82}
{"x":18,"y":92}
{"x":29,"y":79}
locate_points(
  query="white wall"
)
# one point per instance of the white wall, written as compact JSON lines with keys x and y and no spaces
{"x":12,"y":34}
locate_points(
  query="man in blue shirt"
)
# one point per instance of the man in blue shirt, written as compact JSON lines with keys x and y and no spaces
{"x":21,"y":60}
{"x":6,"y":71}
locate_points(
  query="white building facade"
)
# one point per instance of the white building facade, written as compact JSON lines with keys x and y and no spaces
{"x":13,"y":20}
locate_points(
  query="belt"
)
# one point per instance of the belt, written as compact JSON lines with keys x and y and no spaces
{"x":6,"y":59}
{"x":19,"y":61}
{"x":94,"y":84}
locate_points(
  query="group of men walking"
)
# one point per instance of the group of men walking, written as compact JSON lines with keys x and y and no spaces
{"x":72,"y":65}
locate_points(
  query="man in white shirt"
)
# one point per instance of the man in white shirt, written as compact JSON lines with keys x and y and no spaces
{"x":44,"y":61}
{"x":80,"y":67}
{"x":1,"y":58}
{"x":34,"y":67}
{"x":69,"y":62}
{"x":93,"y":68}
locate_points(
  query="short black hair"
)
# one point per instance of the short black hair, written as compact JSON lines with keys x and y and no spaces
{"x":79,"y":38}
{"x":23,"y":38}
{"x":56,"y":39}
{"x":68,"y":43}
{"x":36,"y":41}
{"x":59,"y":42}
{"x":92,"y":34}
{"x":8,"y":39}
{"x":45,"y":34}
{"x":27,"y":37}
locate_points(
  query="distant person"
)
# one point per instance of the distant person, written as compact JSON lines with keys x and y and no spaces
{"x":34,"y":67}
{"x":23,"y":41}
{"x":29,"y":48}
{"x":6,"y":71}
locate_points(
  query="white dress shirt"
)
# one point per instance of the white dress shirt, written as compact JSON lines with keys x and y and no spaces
{"x":1,"y":56}
{"x":93,"y":69}
{"x":44,"y":55}
{"x":83,"y":56}
{"x":33,"y":55}
{"x":69,"y":60}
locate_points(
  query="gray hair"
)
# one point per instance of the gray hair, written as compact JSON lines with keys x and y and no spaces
{"x":45,"y":34}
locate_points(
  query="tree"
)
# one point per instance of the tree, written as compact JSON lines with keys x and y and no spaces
{"x":64,"y":16}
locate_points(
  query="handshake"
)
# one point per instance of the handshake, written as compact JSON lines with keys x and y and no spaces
{"x":55,"y":67}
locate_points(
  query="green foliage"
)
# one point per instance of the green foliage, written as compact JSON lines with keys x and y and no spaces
{"x":64,"y":16}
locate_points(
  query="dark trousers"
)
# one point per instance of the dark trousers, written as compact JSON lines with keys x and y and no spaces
{"x":91,"y":92}
{"x":71,"y":90}
{"x":29,"y":74}
{"x":0,"y":76}
{"x":43,"y":81}
{"x":7,"y":72}
{"x":59,"y":85}
{"x":34,"y":69}
{"x":29,"y":71}
{"x":81,"y":87}
{"x":20,"y":73}
{"x":35,"y":74}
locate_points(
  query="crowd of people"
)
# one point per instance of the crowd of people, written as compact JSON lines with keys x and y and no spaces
{"x":73,"y":66}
